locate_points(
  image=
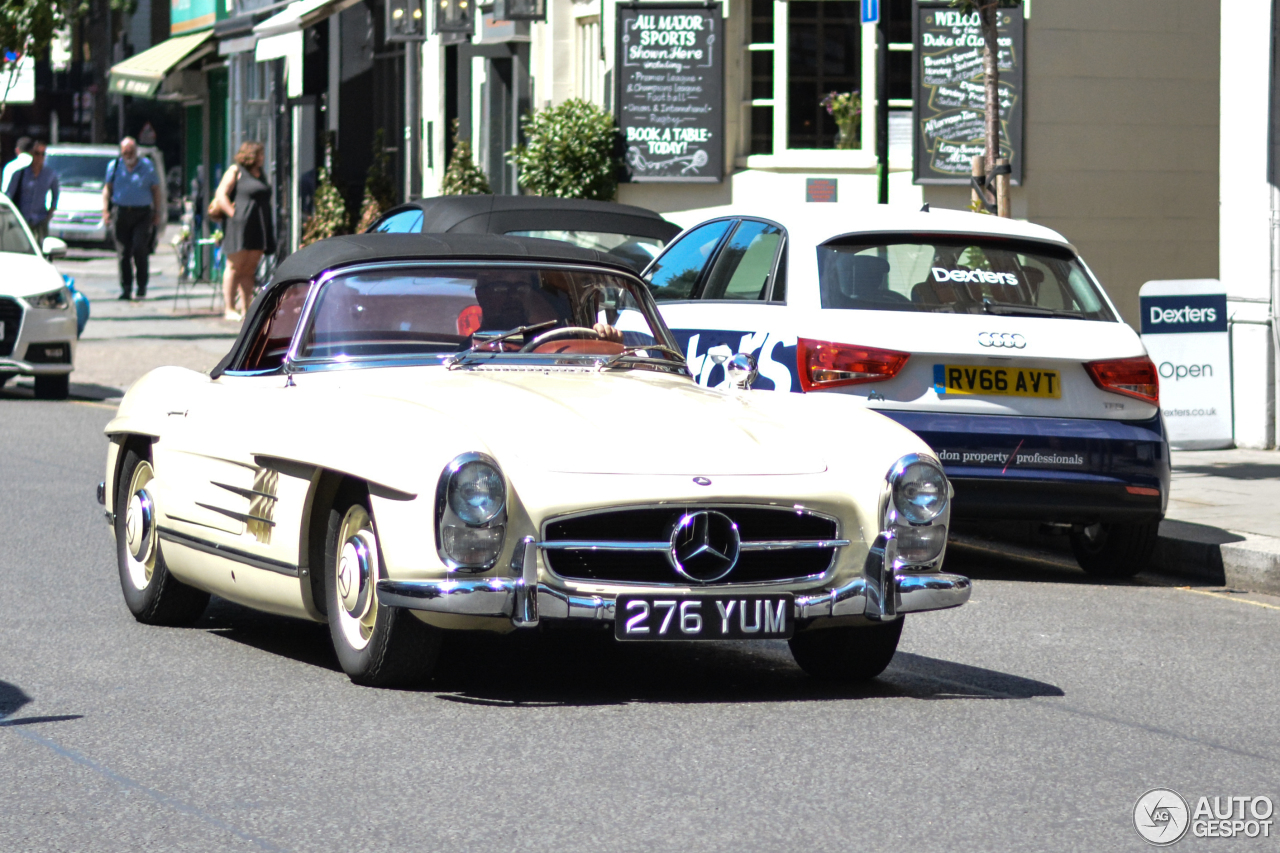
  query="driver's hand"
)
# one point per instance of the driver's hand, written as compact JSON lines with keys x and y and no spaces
{"x":608,"y":333}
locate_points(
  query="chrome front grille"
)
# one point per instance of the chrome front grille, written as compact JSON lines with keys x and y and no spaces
{"x":633,"y":545}
{"x":10,"y":321}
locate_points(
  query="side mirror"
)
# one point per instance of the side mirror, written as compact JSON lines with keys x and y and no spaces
{"x":741,"y":370}
{"x":53,"y":248}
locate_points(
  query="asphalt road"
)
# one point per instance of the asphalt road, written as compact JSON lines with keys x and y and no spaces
{"x":1030,"y":719}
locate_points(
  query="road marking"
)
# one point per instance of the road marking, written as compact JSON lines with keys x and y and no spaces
{"x":132,"y":785}
{"x":95,"y":404}
{"x":1227,"y":597}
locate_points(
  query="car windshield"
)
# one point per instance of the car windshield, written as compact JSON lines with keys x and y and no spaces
{"x":483,"y":311}
{"x":958,"y":275}
{"x":12,"y":237}
{"x":79,"y":170}
{"x":635,"y":250}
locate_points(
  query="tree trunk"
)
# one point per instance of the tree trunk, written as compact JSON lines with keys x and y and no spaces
{"x":989,"y":16}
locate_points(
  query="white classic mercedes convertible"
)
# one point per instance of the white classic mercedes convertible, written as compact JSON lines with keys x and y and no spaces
{"x":415,"y":434}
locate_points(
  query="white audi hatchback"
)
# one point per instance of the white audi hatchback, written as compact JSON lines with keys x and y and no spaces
{"x":989,"y":338}
{"x":37,"y":314}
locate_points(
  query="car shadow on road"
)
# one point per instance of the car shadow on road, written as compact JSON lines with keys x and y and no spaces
{"x":13,"y":698}
{"x":579,"y":668}
{"x":81,"y":391}
{"x":305,"y":642}
{"x":586,"y":667}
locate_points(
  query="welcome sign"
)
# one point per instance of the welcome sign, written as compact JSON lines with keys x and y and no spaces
{"x":1184,"y":327}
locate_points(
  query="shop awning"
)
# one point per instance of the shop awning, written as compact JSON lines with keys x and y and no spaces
{"x":299,"y":15}
{"x":141,"y":74}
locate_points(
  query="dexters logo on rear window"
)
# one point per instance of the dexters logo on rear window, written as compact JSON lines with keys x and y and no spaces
{"x":1177,"y":315}
{"x":974,"y":276}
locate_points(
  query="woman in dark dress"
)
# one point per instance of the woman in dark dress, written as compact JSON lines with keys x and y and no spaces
{"x":244,"y":197}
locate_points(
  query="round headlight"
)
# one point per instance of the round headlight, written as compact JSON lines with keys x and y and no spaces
{"x":920,"y":492}
{"x":476,"y":492}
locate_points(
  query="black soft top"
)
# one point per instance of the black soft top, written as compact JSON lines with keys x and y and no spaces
{"x":325,"y":255}
{"x":337,"y":252}
{"x":498,"y":214}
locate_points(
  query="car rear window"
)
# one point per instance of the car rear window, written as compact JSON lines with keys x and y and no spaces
{"x":958,"y":276}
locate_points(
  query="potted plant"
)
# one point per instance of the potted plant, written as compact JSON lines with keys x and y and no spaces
{"x":846,"y":109}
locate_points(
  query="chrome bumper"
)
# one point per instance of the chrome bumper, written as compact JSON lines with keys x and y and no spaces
{"x":526,"y":601}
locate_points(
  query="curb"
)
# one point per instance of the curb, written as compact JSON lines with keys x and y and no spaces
{"x":1245,"y":561}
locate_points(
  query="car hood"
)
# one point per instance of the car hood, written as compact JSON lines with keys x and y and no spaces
{"x":75,"y":199}
{"x":635,"y":422}
{"x":27,"y":275}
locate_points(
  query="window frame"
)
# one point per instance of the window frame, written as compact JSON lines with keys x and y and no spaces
{"x":810,"y":159}
{"x":695,"y":291}
{"x":779,"y":255}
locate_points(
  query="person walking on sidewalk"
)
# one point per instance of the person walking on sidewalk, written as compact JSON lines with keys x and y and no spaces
{"x":244,"y":197}
{"x":131,"y":197}
{"x":34,"y":191}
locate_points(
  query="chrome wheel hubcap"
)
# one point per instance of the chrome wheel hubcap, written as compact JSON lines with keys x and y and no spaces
{"x":355,"y":577}
{"x":140,"y":528}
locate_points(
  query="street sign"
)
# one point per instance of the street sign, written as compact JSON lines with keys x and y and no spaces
{"x":870,"y":11}
{"x":1184,"y":328}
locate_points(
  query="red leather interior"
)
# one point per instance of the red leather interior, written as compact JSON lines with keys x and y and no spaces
{"x":580,"y":346}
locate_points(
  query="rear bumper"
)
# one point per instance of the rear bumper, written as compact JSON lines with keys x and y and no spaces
{"x":1066,"y":502}
{"x":79,"y":232}
{"x":1065,"y":470}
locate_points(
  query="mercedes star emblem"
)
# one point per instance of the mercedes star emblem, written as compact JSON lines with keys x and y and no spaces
{"x":704,"y":546}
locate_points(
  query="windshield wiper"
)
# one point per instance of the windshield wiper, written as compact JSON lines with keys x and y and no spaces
{"x":1011,"y":310}
{"x":632,"y":350}
{"x":519,"y":330}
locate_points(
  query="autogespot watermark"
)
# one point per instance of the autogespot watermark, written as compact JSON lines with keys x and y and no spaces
{"x":1162,"y":817}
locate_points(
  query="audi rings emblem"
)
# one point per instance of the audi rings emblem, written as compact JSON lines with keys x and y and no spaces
{"x":1007,"y":340}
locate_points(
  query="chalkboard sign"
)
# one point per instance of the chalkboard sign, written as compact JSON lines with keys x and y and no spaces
{"x":670,"y":91}
{"x":950,"y":100}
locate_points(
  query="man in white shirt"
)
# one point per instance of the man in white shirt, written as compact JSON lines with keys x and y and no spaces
{"x":19,"y":162}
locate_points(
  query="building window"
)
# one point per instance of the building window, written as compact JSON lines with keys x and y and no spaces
{"x":760,"y":85}
{"x":799,"y":52}
{"x":590,"y":66}
{"x":823,"y":56}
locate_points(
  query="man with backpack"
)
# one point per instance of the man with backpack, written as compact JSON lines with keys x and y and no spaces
{"x":33,"y":189}
{"x":131,"y":196}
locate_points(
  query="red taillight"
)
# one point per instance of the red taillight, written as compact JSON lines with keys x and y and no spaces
{"x":1132,"y":377}
{"x":824,"y":364}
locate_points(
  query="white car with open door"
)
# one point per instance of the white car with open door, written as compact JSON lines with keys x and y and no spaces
{"x":418,"y":433}
{"x":37,"y":311}
{"x":989,"y":338}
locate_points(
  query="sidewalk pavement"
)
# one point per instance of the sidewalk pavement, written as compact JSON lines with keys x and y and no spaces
{"x":1222,"y":524}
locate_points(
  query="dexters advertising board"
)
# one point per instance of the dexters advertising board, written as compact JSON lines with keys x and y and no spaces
{"x":1184,"y":327}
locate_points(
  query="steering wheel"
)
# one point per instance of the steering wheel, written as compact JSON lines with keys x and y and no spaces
{"x":562,"y":332}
